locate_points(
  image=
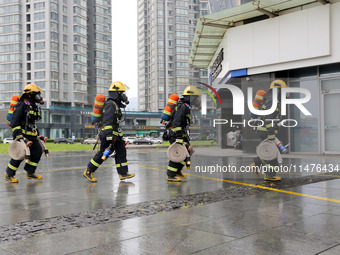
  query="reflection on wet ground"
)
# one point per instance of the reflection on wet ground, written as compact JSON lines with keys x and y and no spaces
{"x":288,"y":222}
{"x":63,"y":189}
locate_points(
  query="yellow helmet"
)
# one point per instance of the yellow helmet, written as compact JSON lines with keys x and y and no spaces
{"x":278,"y":84}
{"x":191,"y":91}
{"x":117,"y":86}
{"x":30,"y":88}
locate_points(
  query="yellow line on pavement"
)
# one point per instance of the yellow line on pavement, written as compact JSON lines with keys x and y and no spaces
{"x":254,"y":186}
{"x":323,"y":175}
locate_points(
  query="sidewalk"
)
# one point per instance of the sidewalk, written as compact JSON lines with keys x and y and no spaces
{"x":268,"y":223}
{"x":218,"y":152}
{"x":278,"y":220}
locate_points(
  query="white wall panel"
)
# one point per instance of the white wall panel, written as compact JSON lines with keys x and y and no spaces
{"x":282,"y":40}
{"x":293,"y":36}
{"x":241,"y":46}
{"x":266,"y":42}
{"x":319,"y":31}
{"x":333,"y":41}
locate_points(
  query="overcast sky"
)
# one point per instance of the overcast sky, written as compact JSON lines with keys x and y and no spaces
{"x":124,"y":44}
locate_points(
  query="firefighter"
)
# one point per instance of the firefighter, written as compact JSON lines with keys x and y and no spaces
{"x":111,"y":134}
{"x":269,"y":131}
{"x":23,"y":126}
{"x":180,"y":119}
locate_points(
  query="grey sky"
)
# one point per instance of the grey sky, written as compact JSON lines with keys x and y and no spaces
{"x":124,"y":44}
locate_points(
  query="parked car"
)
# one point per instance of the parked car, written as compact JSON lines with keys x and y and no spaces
{"x":90,"y":141}
{"x":194,"y":137}
{"x":157,"y":140}
{"x":8,"y":140}
{"x":142,"y":141}
{"x":63,"y":140}
{"x":130,"y":139}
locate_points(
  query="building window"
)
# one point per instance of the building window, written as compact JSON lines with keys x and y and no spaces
{"x":329,"y":69}
{"x":39,"y":16}
{"x":39,"y":75}
{"x":39,"y":36}
{"x":39,"y":26}
{"x":39,"y":65}
{"x":39,"y":55}
{"x":39,"y":45}
{"x":54,"y":65}
{"x":54,"y":75}
{"x":304,"y":137}
{"x":54,"y":55}
{"x":54,"y":16}
{"x":39,"y":6}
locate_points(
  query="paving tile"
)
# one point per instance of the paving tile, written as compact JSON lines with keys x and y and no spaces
{"x":323,"y":225}
{"x":70,"y":241}
{"x":159,"y":222}
{"x":179,"y":240}
{"x":332,"y":251}
{"x":4,"y":252}
{"x":282,"y":240}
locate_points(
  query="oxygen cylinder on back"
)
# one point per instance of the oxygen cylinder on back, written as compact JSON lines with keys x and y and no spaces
{"x":172,"y":102}
{"x":98,"y":108}
{"x":13,"y":104}
{"x":258,"y":100}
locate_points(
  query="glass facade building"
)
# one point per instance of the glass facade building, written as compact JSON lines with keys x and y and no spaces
{"x":219,"y":5}
{"x":62,"y":46}
{"x":262,"y":49}
{"x":165,"y":33}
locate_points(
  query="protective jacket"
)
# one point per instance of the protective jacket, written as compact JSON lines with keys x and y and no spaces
{"x":24,"y":118}
{"x":110,"y":134}
{"x":23,"y":122}
{"x":270,"y":127}
{"x":111,"y":116}
{"x":181,"y":119}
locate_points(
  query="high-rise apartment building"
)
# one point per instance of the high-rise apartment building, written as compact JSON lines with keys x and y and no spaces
{"x":63,"y":46}
{"x":165,"y":32}
{"x":219,"y":5}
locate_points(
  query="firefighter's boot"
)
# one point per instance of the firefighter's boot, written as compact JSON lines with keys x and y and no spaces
{"x":255,"y":170}
{"x":181,"y":175}
{"x":33,"y":176}
{"x":175,"y":178}
{"x":89,"y":175}
{"x":272,"y":178}
{"x":11,"y":179}
{"x":126,"y":176}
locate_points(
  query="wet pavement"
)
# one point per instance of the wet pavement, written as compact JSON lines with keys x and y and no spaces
{"x":298,"y":218}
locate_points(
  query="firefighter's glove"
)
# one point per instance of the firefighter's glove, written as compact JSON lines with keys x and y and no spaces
{"x":179,"y":141}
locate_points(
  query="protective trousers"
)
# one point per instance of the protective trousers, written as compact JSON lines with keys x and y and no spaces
{"x":31,"y":165}
{"x":173,"y":167}
{"x":270,"y":164}
{"x":120,"y":156}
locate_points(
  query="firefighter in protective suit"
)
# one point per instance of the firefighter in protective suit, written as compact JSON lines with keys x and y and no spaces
{"x":23,"y":126}
{"x":179,"y":121}
{"x":111,"y":134}
{"x":269,"y":131}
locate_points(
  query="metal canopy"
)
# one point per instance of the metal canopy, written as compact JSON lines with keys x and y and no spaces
{"x":210,"y":29}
